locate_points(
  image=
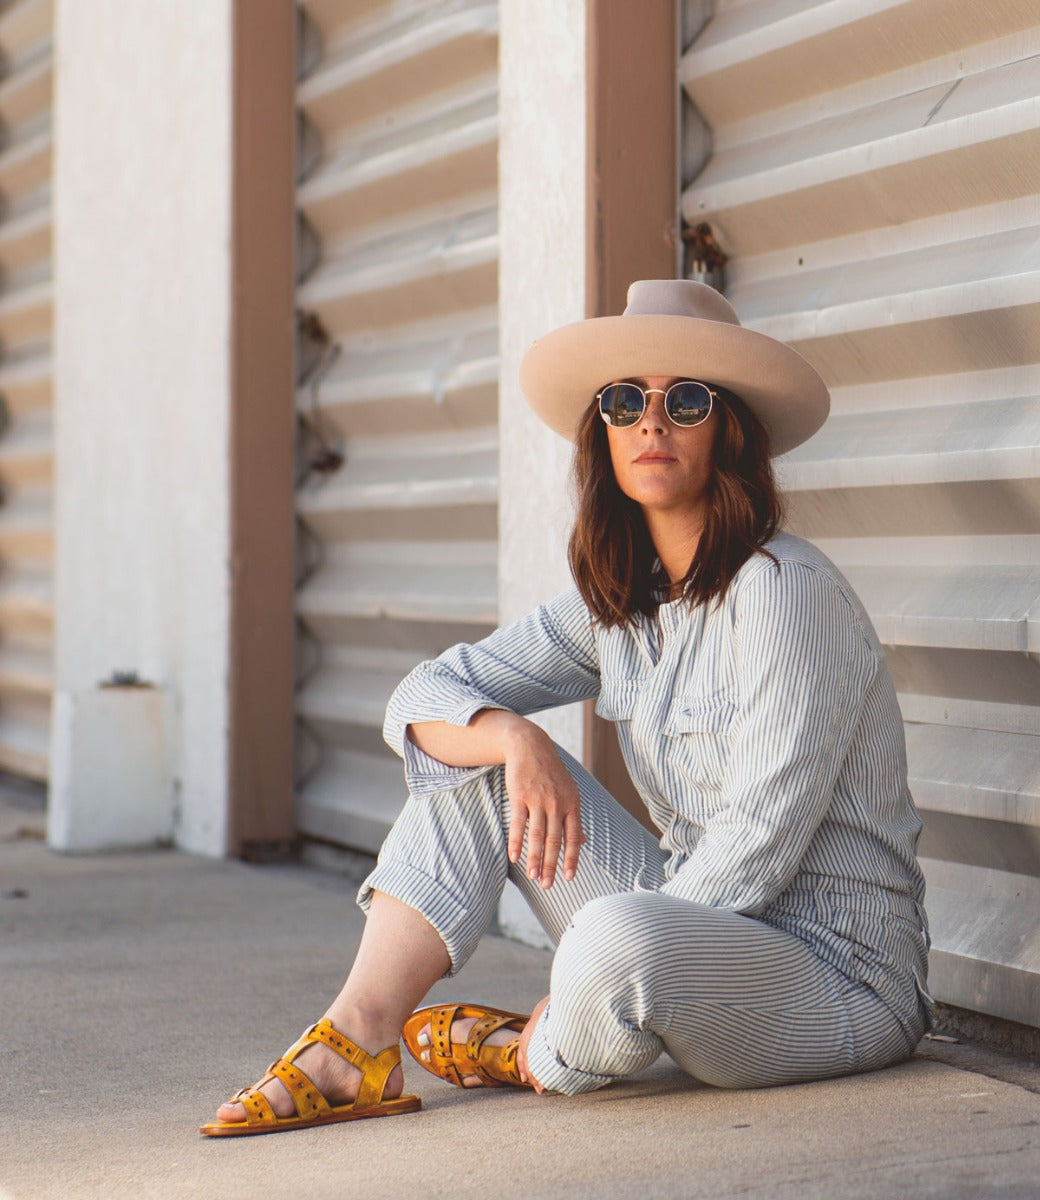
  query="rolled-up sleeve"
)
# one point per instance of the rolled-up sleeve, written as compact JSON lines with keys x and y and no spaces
{"x":545,"y":659}
{"x":804,"y":663}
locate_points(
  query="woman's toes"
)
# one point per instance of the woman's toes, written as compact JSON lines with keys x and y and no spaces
{"x":278,"y":1098}
{"x":231,"y":1112}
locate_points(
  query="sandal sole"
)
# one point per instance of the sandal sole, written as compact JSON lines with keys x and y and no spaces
{"x":389,"y":1108}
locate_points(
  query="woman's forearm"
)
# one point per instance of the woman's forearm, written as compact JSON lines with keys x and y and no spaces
{"x":490,"y":737}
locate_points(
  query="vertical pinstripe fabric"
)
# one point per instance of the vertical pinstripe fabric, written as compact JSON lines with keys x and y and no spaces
{"x":779,"y":920}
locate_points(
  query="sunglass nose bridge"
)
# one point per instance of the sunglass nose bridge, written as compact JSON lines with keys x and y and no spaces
{"x":655,"y":413}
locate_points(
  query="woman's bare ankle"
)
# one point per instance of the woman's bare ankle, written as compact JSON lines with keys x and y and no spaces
{"x":373,"y":1029}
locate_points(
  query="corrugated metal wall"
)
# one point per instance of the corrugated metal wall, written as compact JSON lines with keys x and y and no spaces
{"x":874,"y":174}
{"x":26,"y":441}
{"x":398,"y":264}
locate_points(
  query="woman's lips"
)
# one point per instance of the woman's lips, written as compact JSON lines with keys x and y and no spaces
{"x":655,"y":456}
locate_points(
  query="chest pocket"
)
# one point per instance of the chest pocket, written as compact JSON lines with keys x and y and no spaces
{"x":698,"y":729}
{"x":617,"y":699}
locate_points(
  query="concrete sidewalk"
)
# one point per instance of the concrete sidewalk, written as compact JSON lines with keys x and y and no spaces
{"x":138,"y":990}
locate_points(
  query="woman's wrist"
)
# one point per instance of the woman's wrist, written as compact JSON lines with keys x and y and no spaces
{"x":510,"y":733}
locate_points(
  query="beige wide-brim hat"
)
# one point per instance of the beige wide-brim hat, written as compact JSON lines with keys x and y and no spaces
{"x":681,"y":328}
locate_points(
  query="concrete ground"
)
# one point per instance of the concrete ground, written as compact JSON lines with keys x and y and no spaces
{"x":138,"y":990}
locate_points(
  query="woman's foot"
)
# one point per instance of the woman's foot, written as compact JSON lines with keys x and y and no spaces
{"x":460,"y":1036}
{"x":337,"y":1080}
{"x":473,"y":1045}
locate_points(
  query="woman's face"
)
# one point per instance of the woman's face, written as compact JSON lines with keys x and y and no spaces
{"x":663,"y":467}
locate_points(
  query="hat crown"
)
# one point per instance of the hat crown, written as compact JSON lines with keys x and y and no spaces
{"x":678,"y":298}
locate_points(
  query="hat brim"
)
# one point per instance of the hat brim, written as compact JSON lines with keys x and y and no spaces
{"x":562,"y":372}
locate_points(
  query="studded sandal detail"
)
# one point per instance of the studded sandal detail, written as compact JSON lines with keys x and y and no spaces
{"x":311,"y":1106}
{"x":494,"y":1066}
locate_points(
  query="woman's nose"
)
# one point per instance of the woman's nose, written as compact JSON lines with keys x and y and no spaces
{"x":654,"y":418}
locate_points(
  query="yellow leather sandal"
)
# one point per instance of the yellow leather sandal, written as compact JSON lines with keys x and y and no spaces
{"x":311,"y":1106}
{"x":495,"y":1066}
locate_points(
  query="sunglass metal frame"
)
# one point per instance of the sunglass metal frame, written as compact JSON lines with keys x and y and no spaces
{"x":666,"y":392}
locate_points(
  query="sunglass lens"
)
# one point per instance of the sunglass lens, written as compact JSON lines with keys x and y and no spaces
{"x":621,"y":404}
{"x":688,"y":403}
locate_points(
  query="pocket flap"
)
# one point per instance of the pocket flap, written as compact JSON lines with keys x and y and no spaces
{"x":617,"y":699}
{"x":701,"y":714}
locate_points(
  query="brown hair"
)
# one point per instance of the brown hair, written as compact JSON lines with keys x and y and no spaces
{"x":611,"y":555}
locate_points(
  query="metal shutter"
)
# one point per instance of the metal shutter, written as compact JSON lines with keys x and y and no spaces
{"x":26,"y":441}
{"x":875,"y":177}
{"x":398,"y":261}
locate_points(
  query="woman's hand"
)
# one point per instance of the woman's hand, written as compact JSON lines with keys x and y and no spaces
{"x":544,"y":800}
{"x":525,"y":1041}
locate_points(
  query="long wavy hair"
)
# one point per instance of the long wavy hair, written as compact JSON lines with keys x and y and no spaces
{"x":611,"y":555}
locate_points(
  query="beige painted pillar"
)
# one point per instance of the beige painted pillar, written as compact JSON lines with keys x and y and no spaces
{"x":632,"y":227}
{"x":167,"y":364}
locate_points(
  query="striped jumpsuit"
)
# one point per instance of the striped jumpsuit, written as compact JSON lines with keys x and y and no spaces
{"x":775,"y":930}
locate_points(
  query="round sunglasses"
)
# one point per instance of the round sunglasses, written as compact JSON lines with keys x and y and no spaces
{"x":687,"y":403}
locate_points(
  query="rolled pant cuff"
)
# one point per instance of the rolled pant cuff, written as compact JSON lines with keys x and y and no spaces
{"x":552,"y":1072}
{"x":431,"y":900}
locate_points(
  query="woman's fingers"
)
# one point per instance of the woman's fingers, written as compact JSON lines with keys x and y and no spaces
{"x":547,"y":836}
{"x":546,"y":843}
{"x":551,"y":855}
{"x":536,"y":822}
{"x":517,"y":826}
{"x":544,"y":805}
{"x":574,"y":840}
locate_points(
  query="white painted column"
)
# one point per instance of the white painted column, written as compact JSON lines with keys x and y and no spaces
{"x":142,"y":246}
{"x":541,"y":286}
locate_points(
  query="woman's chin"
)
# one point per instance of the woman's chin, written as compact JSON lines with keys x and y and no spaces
{"x":666,"y":502}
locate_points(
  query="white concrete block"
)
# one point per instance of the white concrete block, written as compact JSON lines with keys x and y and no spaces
{"x":112,"y":785}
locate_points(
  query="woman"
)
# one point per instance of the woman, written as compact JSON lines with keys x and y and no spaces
{"x":775,"y":931}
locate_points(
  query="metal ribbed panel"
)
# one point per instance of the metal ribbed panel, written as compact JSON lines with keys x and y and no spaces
{"x":26,"y":445}
{"x":398,"y":253}
{"x":875,"y":180}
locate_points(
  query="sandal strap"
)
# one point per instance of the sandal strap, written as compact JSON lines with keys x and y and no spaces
{"x":441,"y":1021}
{"x":308,"y":1100}
{"x":257,"y":1106}
{"x":443,"y":1051}
{"x":375,"y":1074}
{"x":375,"y":1069}
{"x":450,"y":1071}
{"x":495,"y":1066}
{"x":482,"y":1028}
{"x":464,"y":1065}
